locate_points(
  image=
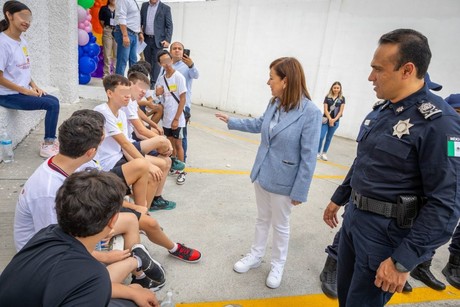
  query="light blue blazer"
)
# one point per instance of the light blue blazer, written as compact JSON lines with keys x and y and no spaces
{"x":286,"y":158}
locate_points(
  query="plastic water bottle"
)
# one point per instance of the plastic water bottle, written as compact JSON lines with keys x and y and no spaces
{"x":7,"y":148}
{"x":168,"y":301}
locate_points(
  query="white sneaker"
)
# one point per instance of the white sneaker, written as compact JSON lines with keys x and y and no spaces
{"x":246,"y":263}
{"x":274,"y":277}
{"x":48,"y":150}
{"x":324,"y":157}
{"x":318,"y":156}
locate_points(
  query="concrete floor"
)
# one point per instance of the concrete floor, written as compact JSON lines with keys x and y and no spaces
{"x":215,"y":213}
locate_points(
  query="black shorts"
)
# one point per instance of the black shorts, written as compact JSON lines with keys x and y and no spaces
{"x":176,"y":133}
{"x":138,"y":214}
{"x":137,"y":144}
{"x":116,"y":169}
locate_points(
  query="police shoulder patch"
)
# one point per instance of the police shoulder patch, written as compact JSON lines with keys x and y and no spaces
{"x":453,"y":146}
{"x":429,"y":110}
{"x":377,"y":104}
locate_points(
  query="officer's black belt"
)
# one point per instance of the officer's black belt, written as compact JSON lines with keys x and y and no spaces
{"x":373,"y":205}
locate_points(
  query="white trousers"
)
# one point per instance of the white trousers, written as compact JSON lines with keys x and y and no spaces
{"x":275,"y":210}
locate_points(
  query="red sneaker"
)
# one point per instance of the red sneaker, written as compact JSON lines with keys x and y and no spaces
{"x":186,"y":254}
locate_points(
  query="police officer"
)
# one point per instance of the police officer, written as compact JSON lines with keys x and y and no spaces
{"x":452,"y":268}
{"x":403,"y":183}
{"x":328,"y":276}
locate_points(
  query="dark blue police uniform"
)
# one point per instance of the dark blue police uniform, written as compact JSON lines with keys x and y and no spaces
{"x":411,"y":148}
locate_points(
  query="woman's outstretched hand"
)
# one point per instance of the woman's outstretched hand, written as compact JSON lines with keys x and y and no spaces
{"x":222,"y":117}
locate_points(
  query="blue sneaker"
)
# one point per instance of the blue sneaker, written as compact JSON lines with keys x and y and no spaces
{"x":176,"y":164}
{"x":162,"y":204}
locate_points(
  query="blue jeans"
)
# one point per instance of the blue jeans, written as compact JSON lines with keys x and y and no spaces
{"x":328,"y":132}
{"x":30,"y":103}
{"x":125,"y":53}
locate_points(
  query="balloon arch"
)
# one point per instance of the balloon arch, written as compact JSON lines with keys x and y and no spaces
{"x":90,"y":57}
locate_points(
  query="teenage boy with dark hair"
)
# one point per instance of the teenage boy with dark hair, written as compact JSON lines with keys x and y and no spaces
{"x":147,"y":223}
{"x":56,"y":266}
{"x":174,"y":90}
{"x":79,"y":138}
{"x":116,"y":149}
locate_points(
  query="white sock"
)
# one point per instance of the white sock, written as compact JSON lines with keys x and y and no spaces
{"x":139,"y":261}
{"x":172,"y":250}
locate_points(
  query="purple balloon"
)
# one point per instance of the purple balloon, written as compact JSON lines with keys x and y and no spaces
{"x":83,"y":37}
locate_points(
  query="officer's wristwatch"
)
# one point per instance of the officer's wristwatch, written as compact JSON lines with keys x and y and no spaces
{"x":399,"y":267}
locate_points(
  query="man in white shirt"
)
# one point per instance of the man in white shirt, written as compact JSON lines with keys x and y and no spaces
{"x":126,"y":33}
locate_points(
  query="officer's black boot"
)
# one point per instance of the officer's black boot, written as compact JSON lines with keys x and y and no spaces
{"x":407,"y":287}
{"x":452,"y":271}
{"x":422,"y":272}
{"x":328,"y":277}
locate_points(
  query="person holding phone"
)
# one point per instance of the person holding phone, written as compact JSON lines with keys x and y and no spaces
{"x":157,"y":26}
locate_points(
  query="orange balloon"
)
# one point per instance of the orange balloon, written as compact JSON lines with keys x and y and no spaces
{"x":94,"y":11}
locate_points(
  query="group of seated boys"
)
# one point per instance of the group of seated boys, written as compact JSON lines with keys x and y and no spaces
{"x":104,"y":155}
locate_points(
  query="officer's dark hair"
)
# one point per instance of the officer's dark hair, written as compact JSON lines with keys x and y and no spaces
{"x":112,"y":81}
{"x":87,"y":201}
{"x":11,"y":7}
{"x":162,"y":53}
{"x":78,"y":134}
{"x":97,"y":116}
{"x":413,"y":47}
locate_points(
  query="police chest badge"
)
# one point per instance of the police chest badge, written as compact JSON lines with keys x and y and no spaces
{"x":402,"y":128}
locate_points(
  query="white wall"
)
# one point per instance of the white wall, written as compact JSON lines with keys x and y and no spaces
{"x":234,"y":41}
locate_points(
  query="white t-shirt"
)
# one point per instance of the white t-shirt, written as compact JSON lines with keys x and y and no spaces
{"x":131,"y":113}
{"x":177,"y":86}
{"x":14,"y":62}
{"x":36,"y":208}
{"x":109,"y":152}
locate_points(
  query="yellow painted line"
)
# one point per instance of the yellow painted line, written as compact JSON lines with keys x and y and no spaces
{"x":236,"y":172}
{"x":418,"y":295}
{"x":335,"y":164}
{"x":241,"y":138}
{"x":425,"y":294}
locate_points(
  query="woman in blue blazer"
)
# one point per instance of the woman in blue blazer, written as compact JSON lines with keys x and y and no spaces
{"x":284,"y":164}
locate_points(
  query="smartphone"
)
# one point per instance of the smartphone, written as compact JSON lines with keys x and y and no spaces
{"x":187,"y":52}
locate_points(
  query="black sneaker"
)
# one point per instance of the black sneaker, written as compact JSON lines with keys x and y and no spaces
{"x":148,"y":283}
{"x":162,"y":204}
{"x":151,"y":268}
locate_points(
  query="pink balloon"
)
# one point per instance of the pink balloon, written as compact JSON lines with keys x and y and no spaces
{"x":89,"y":17}
{"x":88,"y":28}
{"x":83,"y":37}
{"x":81,"y":14}
{"x":86,"y":23}
{"x":81,"y":25}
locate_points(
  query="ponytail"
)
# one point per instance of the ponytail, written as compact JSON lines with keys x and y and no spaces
{"x":11,"y":7}
{"x":3,"y":25}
